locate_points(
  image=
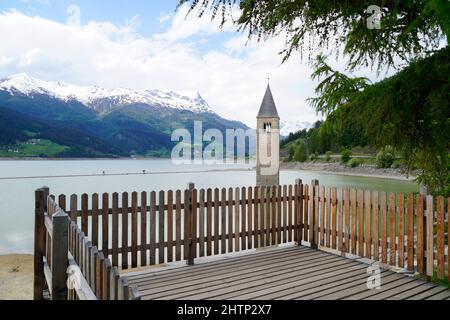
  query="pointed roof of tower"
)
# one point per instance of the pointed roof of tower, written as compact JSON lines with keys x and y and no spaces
{"x":268,"y":108}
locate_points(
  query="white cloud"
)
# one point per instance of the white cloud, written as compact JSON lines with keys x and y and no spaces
{"x":231,"y":76}
{"x":45,"y":2}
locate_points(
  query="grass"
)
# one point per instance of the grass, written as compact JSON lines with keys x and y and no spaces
{"x":44,"y":148}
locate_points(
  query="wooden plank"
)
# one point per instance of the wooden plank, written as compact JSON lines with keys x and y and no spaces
{"x":95,"y":213}
{"x":340,"y":224}
{"x":216,"y":220}
{"x":114,"y":290}
{"x":410,"y":231}
{"x":93,"y":282}
{"x":201,"y":223}
{"x":316,"y":213}
{"x":99,"y":284}
{"x":440,"y":238}
{"x":105,"y":224}
{"x":430,"y":236}
{"x":299,"y":211}
{"x":347,"y":220}
{"x":106,"y":280}
{"x":285,"y":214}
{"x":376,"y":224}
{"x":290,"y":213}
{"x":328,"y":217}
{"x":311,"y":237}
{"x":322,"y":215}
{"x":250,"y":217}
{"x":124,"y":253}
{"x":193,"y":232}
{"x":134,"y":229}
{"x":237,"y":195}
{"x":178,"y":225}
{"x":256,"y":215}
{"x":73,"y":207}
{"x":223,"y":213}
{"x":209,"y":222}
{"x":297,"y":219}
{"x":152,"y":229}
{"x":392,"y":235}
{"x":59,"y":248}
{"x":279,"y":214}
{"x":161,"y":231}
{"x":262,"y":221}
{"x":273,"y":215}
{"x":354,"y":221}
{"x":243,"y":218}
{"x":360,"y":206}
{"x":170,"y":226}
{"x":333,"y":217}
{"x":186,"y":225}
{"x":420,"y":235}
{"x":62,"y":202}
{"x":383,"y":228}
{"x":230,"y":220}
{"x":268,"y":211}
{"x":39,"y":244}
{"x":368,"y":227}
{"x":84,"y":214}
{"x":115,"y":229}
{"x":143,"y":220}
{"x":304,"y":223}
{"x":401,"y":230}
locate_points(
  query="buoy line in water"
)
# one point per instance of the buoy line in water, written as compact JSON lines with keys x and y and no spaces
{"x":124,"y":174}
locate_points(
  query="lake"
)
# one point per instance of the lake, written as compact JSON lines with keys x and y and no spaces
{"x":19,"y":180}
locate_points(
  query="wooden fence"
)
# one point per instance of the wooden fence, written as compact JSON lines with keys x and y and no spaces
{"x":66,"y":264}
{"x":136,"y":230}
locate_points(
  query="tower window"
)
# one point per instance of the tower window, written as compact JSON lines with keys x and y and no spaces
{"x":268,"y":127}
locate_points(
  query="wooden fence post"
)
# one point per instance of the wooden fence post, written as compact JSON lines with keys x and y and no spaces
{"x":313,"y":214}
{"x":60,"y":244}
{"x":39,"y":244}
{"x":191,"y":232}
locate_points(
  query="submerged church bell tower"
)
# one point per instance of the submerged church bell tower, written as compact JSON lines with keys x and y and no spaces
{"x":268,"y":142}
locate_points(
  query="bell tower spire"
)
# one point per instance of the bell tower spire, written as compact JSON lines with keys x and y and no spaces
{"x":268,"y":142}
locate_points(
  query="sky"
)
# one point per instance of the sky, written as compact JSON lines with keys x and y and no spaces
{"x":144,"y":44}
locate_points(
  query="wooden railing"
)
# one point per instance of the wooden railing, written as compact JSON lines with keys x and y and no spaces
{"x":136,"y":230}
{"x":66,"y":264}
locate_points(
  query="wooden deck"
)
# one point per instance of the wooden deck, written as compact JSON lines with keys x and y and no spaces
{"x":280,"y":273}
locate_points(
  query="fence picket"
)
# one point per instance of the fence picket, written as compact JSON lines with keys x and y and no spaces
{"x":134,"y":229}
{"x":401,"y":230}
{"x":170,"y":226}
{"x":144,"y":229}
{"x":115,"y":229}
{"x":124,"y":253}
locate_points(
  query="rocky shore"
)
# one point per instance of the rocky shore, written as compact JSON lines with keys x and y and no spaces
{"x":338,"y":168}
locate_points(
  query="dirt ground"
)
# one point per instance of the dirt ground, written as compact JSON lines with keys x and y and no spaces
{"x":16,"y":277}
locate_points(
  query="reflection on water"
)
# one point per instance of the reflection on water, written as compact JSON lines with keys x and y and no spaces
{"x":17,"y":202}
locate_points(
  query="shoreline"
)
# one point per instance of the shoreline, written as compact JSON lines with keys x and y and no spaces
{"x":339,"y":169}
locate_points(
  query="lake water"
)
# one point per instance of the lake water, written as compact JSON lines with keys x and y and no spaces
{"x":19,"y":180}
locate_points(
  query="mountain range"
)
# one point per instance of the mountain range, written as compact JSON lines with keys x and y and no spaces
{"x":97,"y":122}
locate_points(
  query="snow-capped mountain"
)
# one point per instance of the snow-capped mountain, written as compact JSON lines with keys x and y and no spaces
{"x":102,"y":99}
{"x":292,"y":126}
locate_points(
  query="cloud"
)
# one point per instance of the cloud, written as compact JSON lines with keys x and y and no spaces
{"x":44,"y":2}
{"x":230,"y":75}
